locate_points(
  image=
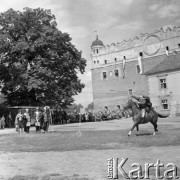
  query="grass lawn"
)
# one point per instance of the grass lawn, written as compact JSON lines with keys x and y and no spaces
{"x":26,"y":156}
{"x":99,"y":140}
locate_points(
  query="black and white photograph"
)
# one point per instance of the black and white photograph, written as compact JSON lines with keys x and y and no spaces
{"x":89,"y":89}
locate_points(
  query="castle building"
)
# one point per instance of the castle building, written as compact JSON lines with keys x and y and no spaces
{"x":129,"y":65}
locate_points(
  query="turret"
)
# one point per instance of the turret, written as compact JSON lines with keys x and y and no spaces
{"x":96,"y":47}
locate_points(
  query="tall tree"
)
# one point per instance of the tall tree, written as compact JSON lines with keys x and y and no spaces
{"x":39,"y":64}
{"x":90,"y":106}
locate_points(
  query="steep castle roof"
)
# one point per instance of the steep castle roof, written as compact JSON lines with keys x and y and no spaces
{"x":170,"y":63}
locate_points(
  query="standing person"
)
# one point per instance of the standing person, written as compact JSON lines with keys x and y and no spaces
{"x":46,"y":118}
{"x":9,"y":119}
{"x":28,"y":120}
{"x":2,"y":122}
{"x":86,"y":117}
{"x":38,"y":116}
{"x":19,"y":124}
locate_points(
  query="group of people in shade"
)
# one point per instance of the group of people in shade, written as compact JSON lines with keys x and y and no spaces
{"x":42,"y":120}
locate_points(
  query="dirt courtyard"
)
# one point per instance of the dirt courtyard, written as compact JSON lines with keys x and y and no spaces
{"x":63,"y":154}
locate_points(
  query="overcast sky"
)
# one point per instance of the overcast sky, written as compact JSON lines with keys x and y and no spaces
{"x":114,"y":20}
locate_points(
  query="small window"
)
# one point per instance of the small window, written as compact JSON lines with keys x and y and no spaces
{"x":97,"y":61}
{"x":164,"y":103}
{"x":141,"y":54}
{"x":167,"y":48}
{"x":97,"y":50}
{"x":115,"y":59}
{"x":179,"y":45}
{"x":138,"y":69}
{"x":104,"y":75}
{"x":163,"y":84}
{"x":94,"y":62}
{"x":116,"y":72}
{"x":94,"y":51}
{"x":105,"y":61}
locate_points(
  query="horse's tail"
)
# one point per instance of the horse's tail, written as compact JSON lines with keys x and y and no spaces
{"x":162,"y":116}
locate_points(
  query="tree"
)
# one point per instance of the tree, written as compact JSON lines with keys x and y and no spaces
{"x":39,"y":64}
{"x":75,"y":107}
{"x":90,"y":106}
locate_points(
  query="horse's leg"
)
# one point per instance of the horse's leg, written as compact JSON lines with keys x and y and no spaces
{"x":137,"y":128}
{"x":154,"y":123}
{"x":135,"y":125}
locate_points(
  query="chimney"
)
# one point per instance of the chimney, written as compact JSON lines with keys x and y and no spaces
{"x":140,"y":58}
{"x":167,"y":50}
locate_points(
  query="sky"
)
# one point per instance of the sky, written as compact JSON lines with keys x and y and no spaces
{"x":114,"y":21}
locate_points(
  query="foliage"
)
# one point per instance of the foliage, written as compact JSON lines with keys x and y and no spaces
{"x":75,"y":107}
{"x":3,"y":110}
{"x":39,"y":64}
{"x":90,"y":106}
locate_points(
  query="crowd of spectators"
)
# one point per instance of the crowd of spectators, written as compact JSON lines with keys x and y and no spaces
{"x":97,"y":115}
{"x":60,"y":116}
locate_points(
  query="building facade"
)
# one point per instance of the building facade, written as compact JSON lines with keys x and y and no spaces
{"x":118,"y":68}
{"x":163,"y":84}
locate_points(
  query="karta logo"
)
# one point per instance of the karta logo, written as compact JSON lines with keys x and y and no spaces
{"x":115,"y":168}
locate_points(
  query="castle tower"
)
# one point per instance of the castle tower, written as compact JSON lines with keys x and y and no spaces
{"x":96,"y":48}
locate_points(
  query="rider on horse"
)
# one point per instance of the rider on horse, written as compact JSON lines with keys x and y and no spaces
{"x":144,"y":104}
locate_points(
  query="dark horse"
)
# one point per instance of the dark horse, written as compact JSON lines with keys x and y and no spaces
{"x":151,"y":116}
